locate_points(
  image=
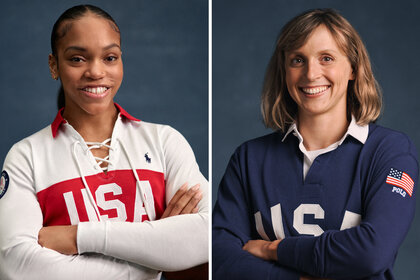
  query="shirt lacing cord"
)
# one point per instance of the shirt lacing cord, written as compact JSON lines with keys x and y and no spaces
{"x":98,"y":145}
{"x":147,"y":199}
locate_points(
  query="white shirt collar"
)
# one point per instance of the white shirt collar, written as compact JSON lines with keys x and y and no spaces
{"x":359,"y":132}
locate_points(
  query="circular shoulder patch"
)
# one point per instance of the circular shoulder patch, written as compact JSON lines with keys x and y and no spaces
{"x":4,"y":183}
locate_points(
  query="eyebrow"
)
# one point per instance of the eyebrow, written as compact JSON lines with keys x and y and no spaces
{"x":81,"y":49}
{"x":321,"y":51}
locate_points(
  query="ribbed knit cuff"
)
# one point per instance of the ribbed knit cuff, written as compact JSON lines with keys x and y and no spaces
{"x":91,"y":237}
{"x":296,"y":252}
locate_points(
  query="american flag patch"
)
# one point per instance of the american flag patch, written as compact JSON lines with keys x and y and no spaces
{"x":400,"y":179}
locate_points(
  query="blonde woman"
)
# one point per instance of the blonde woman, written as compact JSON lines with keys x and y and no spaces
{"x":329,"y":194}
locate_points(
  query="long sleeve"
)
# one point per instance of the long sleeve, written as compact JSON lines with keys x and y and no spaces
{"x":371,"y":247}
{"x":232,"y":229}
{"x":169,"y":244}
{"x":21,"y":257}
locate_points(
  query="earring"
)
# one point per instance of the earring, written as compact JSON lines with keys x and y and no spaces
{"x":54,"y":76}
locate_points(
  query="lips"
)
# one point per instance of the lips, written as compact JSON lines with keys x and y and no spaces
{"x":316,"y":90}
{"x":95,"y":91}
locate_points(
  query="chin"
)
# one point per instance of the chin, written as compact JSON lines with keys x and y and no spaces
{"x":99,"y":108}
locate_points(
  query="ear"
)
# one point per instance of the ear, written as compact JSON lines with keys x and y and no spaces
{"x":352,"y":75}
{"x":53,"y":64}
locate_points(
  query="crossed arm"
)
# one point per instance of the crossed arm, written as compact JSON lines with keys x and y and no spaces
{"x":63,"y":239}
{"x":156,"y":244}
{"x":267,"y":250}
{"x":353,"y":253}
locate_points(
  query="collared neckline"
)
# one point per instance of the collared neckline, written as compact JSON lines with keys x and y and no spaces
{"x":359,"y":132}
{"x":59,"y":120}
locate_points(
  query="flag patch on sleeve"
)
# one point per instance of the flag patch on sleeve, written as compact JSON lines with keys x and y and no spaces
{"x":4,"y":183}
{"x":400,"y":179}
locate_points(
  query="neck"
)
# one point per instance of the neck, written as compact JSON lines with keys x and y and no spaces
{"x":93,"y":128}
{"x":321,"y":131}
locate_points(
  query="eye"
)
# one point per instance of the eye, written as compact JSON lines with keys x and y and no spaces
{"x":296,"y":61}
{"x":327,"y":59}
{"x":76,"y":59}
{"x":111,"y":58}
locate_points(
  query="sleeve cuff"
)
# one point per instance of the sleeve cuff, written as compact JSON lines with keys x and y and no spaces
{"x":289,"y":252}
{"x":91,"y":237}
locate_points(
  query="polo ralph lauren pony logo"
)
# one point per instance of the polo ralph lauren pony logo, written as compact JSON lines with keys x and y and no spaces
{"x":148,"y":159}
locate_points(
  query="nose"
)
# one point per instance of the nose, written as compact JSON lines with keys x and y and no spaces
{"x":95,"y":70}
{"x":313,"y":70}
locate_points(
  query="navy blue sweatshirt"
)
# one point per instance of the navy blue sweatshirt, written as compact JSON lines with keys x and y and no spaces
{"x":346,"y":220}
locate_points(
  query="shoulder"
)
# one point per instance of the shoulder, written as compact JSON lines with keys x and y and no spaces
{"x":148,"y":128}
{"x":21,"y":154}
{"x":25,"y":145}
{"x":390,"y":141}
{"x":166,"y":137}
{"x":377,"y":132}
{"x":258,"y":153}
{"x":386,"y":148}
{"x":262,"y":144}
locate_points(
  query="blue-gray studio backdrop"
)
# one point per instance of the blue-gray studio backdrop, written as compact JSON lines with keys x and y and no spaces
{"x":244,"y":34}
{"x":165,"y":55}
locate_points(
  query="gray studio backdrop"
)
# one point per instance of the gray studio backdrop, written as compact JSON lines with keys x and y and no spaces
{"x":244,"y":34}
{"x":165,"y":55}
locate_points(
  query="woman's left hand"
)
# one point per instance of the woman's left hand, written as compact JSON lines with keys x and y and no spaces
{"x":266,"y":250}
{"x":62,"y":239}
{"x":184,"y":201}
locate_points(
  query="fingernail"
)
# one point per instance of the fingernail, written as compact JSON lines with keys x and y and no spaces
{"x":196,"y":187}
{"x":198,"y":195}
{"x":184,"y":186}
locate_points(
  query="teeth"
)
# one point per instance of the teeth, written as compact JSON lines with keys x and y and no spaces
{"x":314,"y":90}
{"x":96,"y":90}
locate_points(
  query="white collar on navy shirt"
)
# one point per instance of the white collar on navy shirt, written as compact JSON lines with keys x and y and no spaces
{"x":359,"y":132}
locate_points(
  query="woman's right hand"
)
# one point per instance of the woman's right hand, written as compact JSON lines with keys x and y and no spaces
{"x":184,"y":201}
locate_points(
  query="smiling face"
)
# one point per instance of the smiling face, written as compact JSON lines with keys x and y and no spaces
{"x":317,"y":76}
{"x":89,"y":65}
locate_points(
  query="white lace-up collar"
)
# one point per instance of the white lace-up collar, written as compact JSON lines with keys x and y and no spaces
{"x":81,"y":148}
{"x":98,"y":145}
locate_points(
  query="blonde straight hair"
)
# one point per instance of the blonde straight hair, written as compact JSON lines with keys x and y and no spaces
{"x":364,"y":98}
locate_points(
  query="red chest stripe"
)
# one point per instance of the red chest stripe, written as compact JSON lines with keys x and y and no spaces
{"x":115,"y":194}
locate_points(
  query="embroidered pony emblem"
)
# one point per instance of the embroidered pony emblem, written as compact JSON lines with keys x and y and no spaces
{"x":148,"y":160}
